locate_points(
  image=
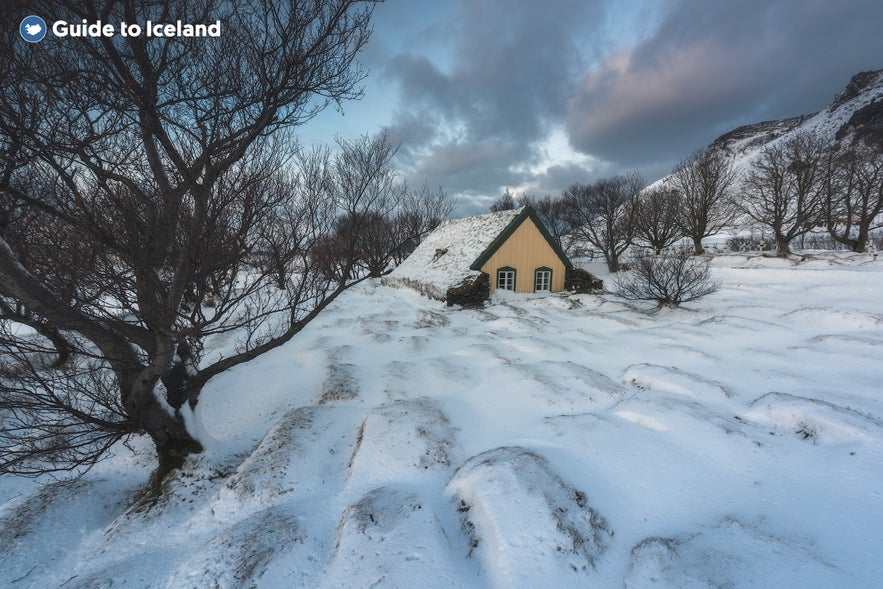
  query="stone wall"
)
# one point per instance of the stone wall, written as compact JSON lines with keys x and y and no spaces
{"x":578,"y":281}
{"x":471,"y":292}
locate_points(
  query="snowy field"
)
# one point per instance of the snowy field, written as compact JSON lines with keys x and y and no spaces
{"x":559,"y":441}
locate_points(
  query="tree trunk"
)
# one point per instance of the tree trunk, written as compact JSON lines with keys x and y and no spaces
{"x":861,"y":242}
{"x":161,"y":418}
{"x":612,"y":262}
{"x":168,"y":432}
{"x":783,"y":246}
{"x":165,"y":426}
{"x":697,"y":246}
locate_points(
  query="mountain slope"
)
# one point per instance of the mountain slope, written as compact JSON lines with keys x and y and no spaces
{"x":856,"y":113}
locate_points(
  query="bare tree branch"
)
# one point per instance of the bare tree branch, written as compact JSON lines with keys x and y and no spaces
{"x":784,"y":188}
{"x":657,"y":218}
{"x":669,"y":279}
{"x":853,"y":194}
{"x":704,"y":182}
{"x":602,"y":214}
{"x":136,"y":175}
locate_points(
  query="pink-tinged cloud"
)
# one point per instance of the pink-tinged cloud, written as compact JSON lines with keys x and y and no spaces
{"x":624,"y":109}
{"x":708,"y":67}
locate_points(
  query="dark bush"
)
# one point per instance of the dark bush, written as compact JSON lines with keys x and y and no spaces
{"x":578,"y":281}
{"x":669,"y":279}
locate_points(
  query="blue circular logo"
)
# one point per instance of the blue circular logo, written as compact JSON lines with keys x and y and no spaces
{"x":32,"y":29}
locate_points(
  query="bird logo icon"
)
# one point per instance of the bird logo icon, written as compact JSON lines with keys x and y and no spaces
{"x":32,"y":29}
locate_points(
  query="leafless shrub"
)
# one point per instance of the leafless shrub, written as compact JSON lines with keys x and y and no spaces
{"x":669,"y":279}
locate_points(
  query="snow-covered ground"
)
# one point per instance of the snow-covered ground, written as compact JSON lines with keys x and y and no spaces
{"x":558,"y":441}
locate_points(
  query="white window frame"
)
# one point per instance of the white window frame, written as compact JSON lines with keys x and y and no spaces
{"x":506,"y":279}
{"x":542,"y":277}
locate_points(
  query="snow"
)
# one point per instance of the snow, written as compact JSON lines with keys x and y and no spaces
{"x":443,"y":259}
{"x":560,"y":441}
{"x":555,"y":534}
{"x":745,"y":151}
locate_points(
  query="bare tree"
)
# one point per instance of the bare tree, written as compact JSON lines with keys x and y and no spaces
{"x":853,"y":194}
{"x":657,"y":212}
{"x":602,"y":214}
{"x":383,"y":220}
{"x":704,"y":181}
{"x":669,"y":279}
{"x":784,"y":189}
{"x":506,"y":202}
{"x":150,"y":164}
{"x":420,"y":212}
{"x":365,"y":231}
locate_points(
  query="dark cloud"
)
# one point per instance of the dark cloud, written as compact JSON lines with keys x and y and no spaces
{"x":512,"y":69}
{"x":557,"y":177}
{"x":711,"y":66}
{"x":468,"y":167}
{"x":479,"y":87}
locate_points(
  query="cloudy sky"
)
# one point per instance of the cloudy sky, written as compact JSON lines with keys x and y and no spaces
{"x":534,"y":95}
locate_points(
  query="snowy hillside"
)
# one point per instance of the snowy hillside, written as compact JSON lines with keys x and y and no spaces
{"x":834,"y":122}
{"x":858,"y":110}
{"x":558,"y":441}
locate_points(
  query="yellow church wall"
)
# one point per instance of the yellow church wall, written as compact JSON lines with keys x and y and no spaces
{"x":526,"y":250}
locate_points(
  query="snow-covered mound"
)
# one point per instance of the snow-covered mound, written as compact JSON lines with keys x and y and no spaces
{"x":729,"y":553}
{"x":555,"y":532}
{"x":445,"y":257}
{"x":813,"y":419}
{"x":561,"y":441}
